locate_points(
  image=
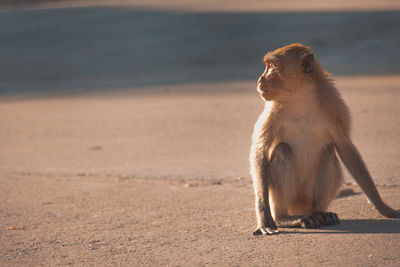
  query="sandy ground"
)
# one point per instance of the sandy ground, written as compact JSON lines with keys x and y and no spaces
{"x":125,"y":132}
{"x":161,"y":178}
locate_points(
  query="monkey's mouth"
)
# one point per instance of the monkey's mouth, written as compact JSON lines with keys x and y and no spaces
{"x":262,"y":89}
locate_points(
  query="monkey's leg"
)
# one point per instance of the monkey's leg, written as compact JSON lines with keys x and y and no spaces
{"x":282,"y":190}
{"x":328,"y":181}
{"x":298,"y":221}
{"x":282,"y":187}
{"x":328,"y":178}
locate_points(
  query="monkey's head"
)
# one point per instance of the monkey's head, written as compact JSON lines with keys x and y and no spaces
{"x":288,"y":70}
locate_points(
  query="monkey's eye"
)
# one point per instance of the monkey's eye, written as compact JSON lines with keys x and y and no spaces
{"x":270,"y":69}
{"x":268,"y":66}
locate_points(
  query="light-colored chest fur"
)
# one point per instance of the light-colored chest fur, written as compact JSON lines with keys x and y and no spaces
{"x":304,"y":128}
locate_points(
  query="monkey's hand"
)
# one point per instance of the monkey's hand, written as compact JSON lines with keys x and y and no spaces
{"x":269,"y":229}
{"x":265,"y":231}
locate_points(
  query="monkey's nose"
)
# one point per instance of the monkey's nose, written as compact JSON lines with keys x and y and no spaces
{"x":262,"y":79}
{"x":262,"y":84}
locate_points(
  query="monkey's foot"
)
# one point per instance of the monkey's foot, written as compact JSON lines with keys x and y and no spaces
{"x":299,"y":221}
{"x":309,"y":222}
{"x":327,"y":218}
{"x":265,"y":231}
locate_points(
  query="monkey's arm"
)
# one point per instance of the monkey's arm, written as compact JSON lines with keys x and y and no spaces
{"x":265,"y":223}
{"x":356,"y":166}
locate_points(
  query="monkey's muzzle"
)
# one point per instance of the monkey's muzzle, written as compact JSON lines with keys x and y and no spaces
{"x":262,"y":84}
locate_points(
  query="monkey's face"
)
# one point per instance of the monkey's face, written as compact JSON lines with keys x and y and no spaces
{"x":287,"y":72}
{"x":271,"y":84}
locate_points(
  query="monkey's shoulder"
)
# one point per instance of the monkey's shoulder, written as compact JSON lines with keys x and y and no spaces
{"x":334,"y":108}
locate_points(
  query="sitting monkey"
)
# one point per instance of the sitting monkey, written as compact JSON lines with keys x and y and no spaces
{"x":297,"y":139}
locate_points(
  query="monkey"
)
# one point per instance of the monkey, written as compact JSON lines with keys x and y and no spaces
{"x":297,"y":142}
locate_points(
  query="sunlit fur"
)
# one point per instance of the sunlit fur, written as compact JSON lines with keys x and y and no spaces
{"x":297,"y":139}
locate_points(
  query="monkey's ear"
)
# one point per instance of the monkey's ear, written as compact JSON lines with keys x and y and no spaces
{"x":308,"y":63}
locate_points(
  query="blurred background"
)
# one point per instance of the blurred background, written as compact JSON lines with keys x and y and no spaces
{"x":57,"y":46}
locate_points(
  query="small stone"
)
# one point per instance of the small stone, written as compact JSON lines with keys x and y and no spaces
{"x":96,"y":148}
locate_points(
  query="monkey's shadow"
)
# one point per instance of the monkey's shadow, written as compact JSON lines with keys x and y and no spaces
{"x":361,"y":226}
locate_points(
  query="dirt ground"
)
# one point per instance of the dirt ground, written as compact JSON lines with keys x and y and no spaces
{"x":161,"y":178}
{"x":96,"y":172}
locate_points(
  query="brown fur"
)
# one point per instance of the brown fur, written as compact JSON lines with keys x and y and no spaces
{"x":297,"y":139}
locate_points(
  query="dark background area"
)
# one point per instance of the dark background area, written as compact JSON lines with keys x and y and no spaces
{"x":98,"y":48}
